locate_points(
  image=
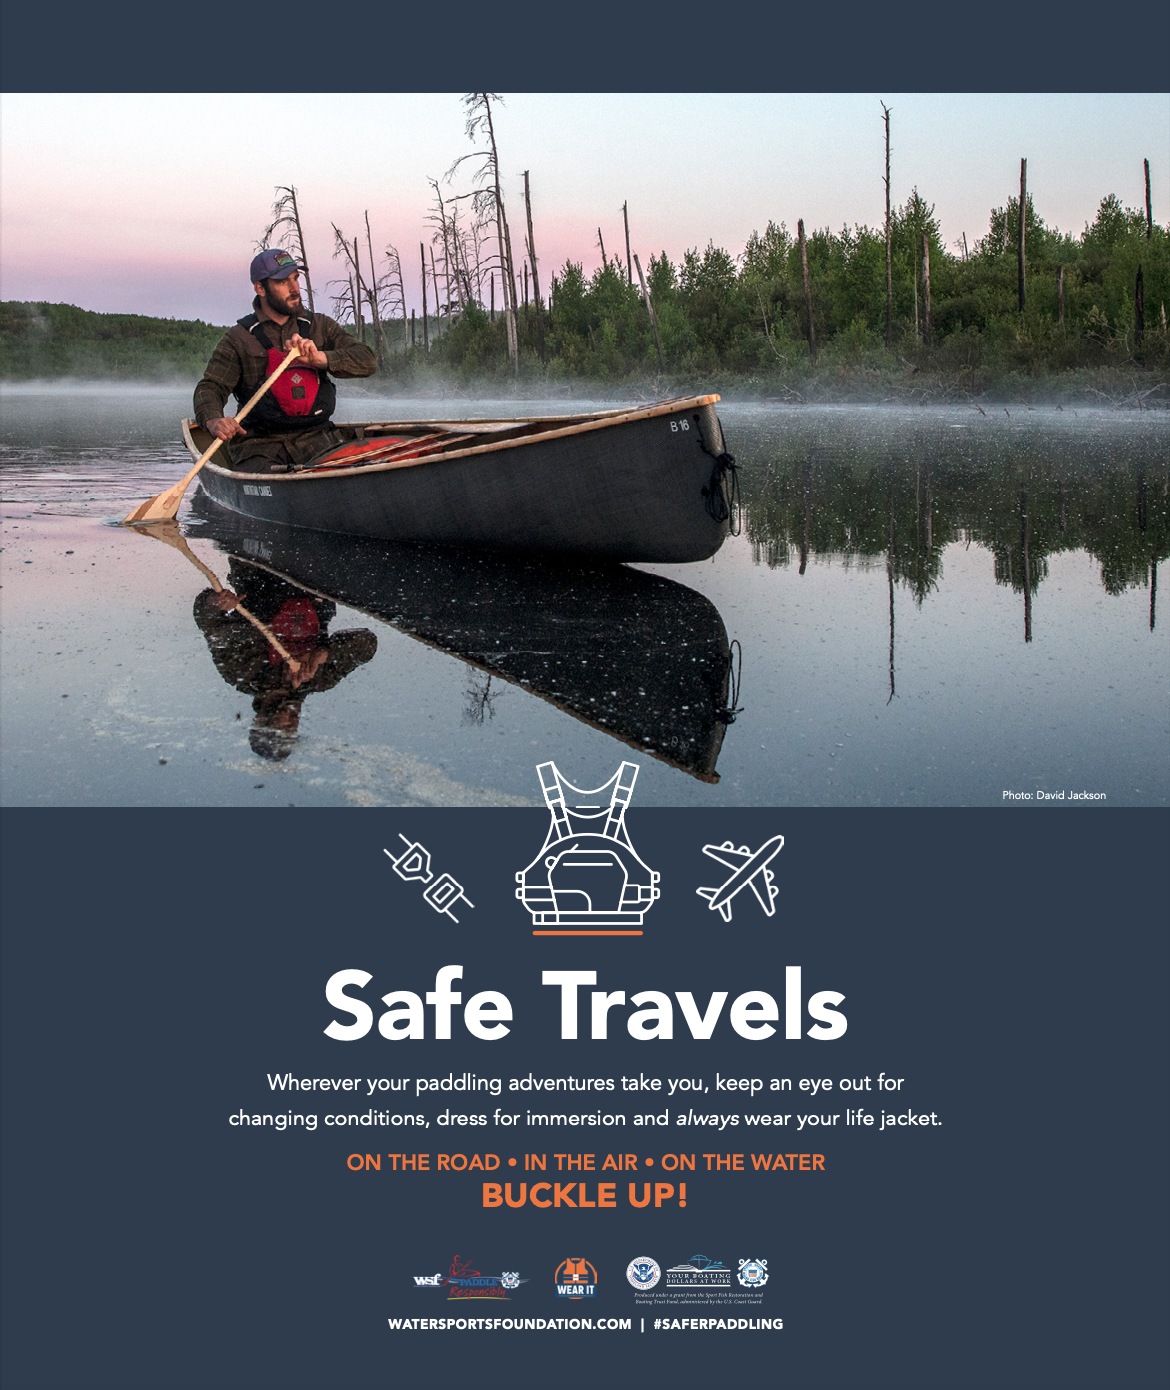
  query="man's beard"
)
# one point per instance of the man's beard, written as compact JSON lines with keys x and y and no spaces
{"x":283,"y":302}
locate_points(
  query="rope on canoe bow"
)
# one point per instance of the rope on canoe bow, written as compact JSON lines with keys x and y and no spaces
{"x":734,"y":671}
{"x":722,"y":495}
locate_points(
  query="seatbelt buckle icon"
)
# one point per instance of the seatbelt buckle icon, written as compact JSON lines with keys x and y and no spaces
{"x":413,"y":864}
{"x":445,"y":891}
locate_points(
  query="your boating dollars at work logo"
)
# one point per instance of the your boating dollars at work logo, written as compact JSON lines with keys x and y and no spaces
{"x":753,"y":1274}
{"x":643,"y":1272}
{"x":575,"y":1279}
{"x":699,"y":1272}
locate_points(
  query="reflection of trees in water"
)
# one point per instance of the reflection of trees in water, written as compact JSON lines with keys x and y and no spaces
{"x":480,"y":699}
{"x":901,"y":505}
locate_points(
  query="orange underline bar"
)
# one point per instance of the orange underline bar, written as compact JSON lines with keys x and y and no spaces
{"x":586,"y":933}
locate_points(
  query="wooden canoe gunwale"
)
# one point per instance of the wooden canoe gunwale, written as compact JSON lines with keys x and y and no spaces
{"x":580,"y":425}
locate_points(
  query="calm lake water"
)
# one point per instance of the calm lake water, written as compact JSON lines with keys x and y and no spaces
{"x":923,"y":607}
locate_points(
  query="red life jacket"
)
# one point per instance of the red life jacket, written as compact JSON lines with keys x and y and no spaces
{"x":297,"y":624}
{"x":300,"y":398}
{"x":296,"y":388}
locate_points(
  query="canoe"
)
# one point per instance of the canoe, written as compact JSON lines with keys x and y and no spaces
{"x":652,"y":484}
{"x":637,"y":656}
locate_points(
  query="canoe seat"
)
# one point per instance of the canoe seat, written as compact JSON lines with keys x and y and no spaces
{"x":351,"y":453}
{"x":387,"y":448}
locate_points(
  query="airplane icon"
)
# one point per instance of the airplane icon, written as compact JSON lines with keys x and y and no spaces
{"x":751,"y":871}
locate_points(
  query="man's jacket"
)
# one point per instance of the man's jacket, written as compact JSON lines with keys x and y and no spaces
{"x":239,"y":365}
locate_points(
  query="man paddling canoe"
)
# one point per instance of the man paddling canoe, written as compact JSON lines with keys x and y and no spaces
{"x":292,"y":424}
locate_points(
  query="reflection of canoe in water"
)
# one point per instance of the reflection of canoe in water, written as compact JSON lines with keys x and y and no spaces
{"x":636,"y":655}
{"x":650,"y":484}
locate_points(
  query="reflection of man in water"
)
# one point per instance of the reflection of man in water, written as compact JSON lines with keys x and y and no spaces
{"x":247,"y":661}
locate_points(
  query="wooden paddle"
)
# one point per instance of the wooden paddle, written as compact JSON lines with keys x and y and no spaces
{"x":168,"y":532}
{"x":165,"y":506}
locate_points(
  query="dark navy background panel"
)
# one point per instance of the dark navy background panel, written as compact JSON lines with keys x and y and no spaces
{"x":1009,"y":968}
{"x":643,"y":46}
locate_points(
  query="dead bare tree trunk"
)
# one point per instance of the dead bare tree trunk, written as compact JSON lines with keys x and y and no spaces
{"x":1149,"y":205}
{"x":394,"y":261}
{"x":426,"y":333}
{"x":1023,"y":222}
{"x":357,"y":277}
{"x":380,"y":346}
{"x":531,"y":241}
{"x":512,"y":291}
{"x":479,"y":121}
{"x":812,"y":332}
{"x":650,"y":311}
{"x":305,"y":260}
{"x":889,"y":259}
{"x":535,"y":272}
{"x":286,"y":212}
{"x":926,"y":289}
{"x":601,"y":243}
{"x":626,"y":220}
{"x":438,"y":301}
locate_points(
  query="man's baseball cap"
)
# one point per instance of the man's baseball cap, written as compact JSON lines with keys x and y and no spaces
{"x":273,"y":264}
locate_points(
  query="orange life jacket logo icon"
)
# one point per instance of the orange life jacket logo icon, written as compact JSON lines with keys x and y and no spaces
{"x":576,"y":1279}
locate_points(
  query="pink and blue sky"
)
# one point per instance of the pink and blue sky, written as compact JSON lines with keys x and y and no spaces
{"x":152,"y":204}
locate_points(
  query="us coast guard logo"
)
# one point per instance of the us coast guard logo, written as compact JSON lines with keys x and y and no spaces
{"x":587,"y":879}
{"x":753,"y":1274}
{"x":510,"y":1281}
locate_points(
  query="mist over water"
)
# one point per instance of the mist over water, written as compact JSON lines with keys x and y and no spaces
{"x":934,"y":605}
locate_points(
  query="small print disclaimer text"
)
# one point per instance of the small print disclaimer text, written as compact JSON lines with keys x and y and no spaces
{"x":1041,"y":798}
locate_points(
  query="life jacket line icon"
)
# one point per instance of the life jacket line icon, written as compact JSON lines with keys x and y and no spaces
{"x":587,"y":879}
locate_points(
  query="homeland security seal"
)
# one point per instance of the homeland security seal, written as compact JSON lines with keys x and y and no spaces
{"x":753,"y":1274}
{"x":643,"y":1272}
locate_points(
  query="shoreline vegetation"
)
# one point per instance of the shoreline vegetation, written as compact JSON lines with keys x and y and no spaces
{"x":943,"y":329}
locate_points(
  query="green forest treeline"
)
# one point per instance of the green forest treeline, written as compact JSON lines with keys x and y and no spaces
{"x":742,"y":323}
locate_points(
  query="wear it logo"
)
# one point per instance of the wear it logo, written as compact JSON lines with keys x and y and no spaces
{"x":753,"y":1274}
{"x":643,"y":1272}
{"x":575,"y":1279}
{"x":587,"y":879}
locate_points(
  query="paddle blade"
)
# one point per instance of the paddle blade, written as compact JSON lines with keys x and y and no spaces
{"x":164,"y":507}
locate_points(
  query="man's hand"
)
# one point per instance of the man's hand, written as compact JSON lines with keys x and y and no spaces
{"x":224,"y":600}
{"x":225,"y":427}
{"x":309,"y":666}
{"x":310,"y":354}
